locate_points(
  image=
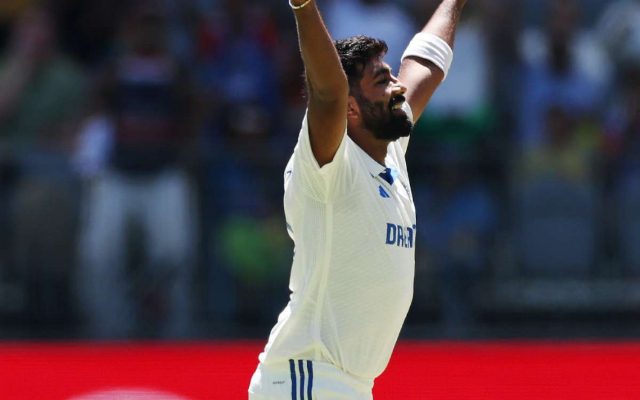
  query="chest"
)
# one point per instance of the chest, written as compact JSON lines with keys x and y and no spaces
{"x":379,"y":212}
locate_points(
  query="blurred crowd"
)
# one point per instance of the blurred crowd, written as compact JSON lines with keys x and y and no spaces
{"x":142,"y":146}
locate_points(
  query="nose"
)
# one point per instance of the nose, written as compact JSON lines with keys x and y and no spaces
{"x":398,"y":87}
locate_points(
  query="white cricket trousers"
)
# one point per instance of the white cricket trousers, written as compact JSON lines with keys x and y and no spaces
{"x":163,"y":207}
{"x":306,"y":380}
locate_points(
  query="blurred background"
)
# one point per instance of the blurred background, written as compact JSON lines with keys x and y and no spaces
{"x":143,"y":143}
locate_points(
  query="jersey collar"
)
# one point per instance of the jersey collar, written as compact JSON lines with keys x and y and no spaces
{"x":377,"y":170}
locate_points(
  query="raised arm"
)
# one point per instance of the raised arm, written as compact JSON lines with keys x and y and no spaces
{"x":422,"y":76}
{"x":326,"y":81}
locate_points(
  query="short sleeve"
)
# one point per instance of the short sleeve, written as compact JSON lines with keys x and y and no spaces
{"x":317,"y":181}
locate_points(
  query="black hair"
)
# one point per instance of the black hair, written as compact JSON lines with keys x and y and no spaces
{"x":355,"y":52}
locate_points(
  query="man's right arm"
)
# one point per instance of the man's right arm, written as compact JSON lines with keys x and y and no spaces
{"x":327,"y":83}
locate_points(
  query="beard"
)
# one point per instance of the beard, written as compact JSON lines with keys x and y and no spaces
{"x":380,"y":119}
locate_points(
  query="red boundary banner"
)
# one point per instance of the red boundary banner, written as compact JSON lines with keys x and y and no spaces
{"x":418,"y":370}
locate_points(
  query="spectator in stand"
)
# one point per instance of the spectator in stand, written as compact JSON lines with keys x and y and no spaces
{"x":564,"y":66}
{"x":242,"y":95}
{"x":237,"y":68}
{"x":41,"y":102}
{"x":144,"y":198}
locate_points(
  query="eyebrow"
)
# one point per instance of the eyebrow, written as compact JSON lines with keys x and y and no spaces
{"x":381,"y":71}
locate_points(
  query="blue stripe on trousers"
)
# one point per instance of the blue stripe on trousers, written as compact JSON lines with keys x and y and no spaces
{"x":292,"y":367}
{"x":301,"y":369}
{"x":310,"y":385}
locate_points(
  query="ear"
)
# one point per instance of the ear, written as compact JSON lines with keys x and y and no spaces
{"x":353,"y":109}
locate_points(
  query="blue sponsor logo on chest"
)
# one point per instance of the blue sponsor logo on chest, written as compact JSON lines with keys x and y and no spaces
{"x":401,"y":236}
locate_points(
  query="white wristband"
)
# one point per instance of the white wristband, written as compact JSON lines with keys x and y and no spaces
{"x":432,"y":48}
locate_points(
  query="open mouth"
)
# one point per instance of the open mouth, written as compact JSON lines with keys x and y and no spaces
{"x":396,"y":103}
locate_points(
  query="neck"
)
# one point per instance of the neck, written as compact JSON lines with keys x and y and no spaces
{"x":375,"y":148}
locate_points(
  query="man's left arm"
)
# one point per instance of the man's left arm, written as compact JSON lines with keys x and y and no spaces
{"x":429,"y":55}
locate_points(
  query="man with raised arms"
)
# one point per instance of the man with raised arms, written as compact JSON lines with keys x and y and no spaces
{"x":349,"y":209}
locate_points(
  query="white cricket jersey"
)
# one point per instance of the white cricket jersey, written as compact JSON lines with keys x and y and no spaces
{"x":353,"y":264}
